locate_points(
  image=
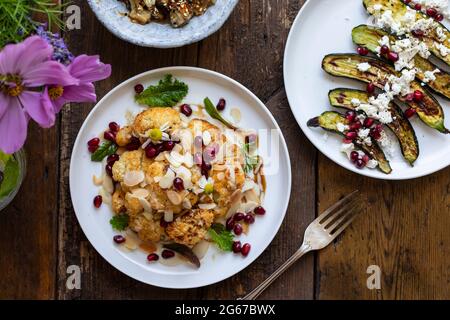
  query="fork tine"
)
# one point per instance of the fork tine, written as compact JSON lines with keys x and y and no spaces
{"x":351,"y":211}
{"x":335,"y":206}
{"x":330,"y":219}
{"x":342,"y":228}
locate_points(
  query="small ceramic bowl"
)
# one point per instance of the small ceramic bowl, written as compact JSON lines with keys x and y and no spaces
{"x":161,"y":35}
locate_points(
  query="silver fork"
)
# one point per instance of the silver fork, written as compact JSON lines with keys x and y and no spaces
{"x":320,"y":233}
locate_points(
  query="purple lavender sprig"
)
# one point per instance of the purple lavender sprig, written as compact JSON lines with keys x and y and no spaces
{"x":60,"y":51}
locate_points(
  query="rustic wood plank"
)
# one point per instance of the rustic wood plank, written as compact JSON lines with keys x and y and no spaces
{"x":235,"y":51}
{"x":404,"y":230}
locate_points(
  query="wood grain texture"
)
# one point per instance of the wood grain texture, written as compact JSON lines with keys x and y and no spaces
{"x":237,"y":52}
{"x":403,"y":230}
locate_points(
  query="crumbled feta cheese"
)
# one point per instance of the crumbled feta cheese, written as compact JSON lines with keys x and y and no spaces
{"x":347,"y":148}
{"x":355,"y":102}
{"x":341,"y":127}
{"x":363,"y":67}
{"x":430,"y":75}
{"x":385,"y":41}
{"x":443,"y":50}
{"x":371,"y":164}
{"x":441,"y":34}
{"x":377,"y":7}
{"x":407,"y":49}
{"x":363,"y":133}
{"x":385,"y":117}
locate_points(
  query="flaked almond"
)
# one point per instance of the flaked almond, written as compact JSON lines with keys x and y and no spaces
{"x":248,"y":184}
{"x":106,"y":196}
{"x":251,"y":195}
{"x":131,"y":244}
{"x":207,"y":206}
{"x":108,"y":184}
{"x":140,"y":193}
{"x":161,"y":156}
{"x":133,"y":178}
{"x":188,"y":160}
{"x":168,"y":216}
{"x":174,"y":197}
{"x":201,"y":248}
{"x":145,"y":205}
{"x":97,"y":181}
{"x":174,"y":158}
{"x":249,"y":206}
{"x":147,"y":215}
{"x":206,"y":137}
{"x":236,"y":198}
{"x":178,"y":148}
{"x":187,"y":204}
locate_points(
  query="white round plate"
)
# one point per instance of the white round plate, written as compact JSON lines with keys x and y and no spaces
{"x":161,"y":35}
{"x":323,"y":27}
{"x":216,"y":266}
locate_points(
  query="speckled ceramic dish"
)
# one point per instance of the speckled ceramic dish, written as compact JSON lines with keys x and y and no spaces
{"x":159,"y":35}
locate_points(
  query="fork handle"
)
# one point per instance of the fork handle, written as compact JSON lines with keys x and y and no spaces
{"x":266,"y":283}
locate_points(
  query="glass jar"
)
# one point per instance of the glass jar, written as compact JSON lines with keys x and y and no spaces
{"x":20,"y":157}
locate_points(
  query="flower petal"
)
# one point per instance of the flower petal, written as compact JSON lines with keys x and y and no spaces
{"x":4,"y":102}
{"x":13,"y":128}
{"x":49,"y":72}
{"x":89,"y":68}
{"x":15,"y":58}
{"x":38,"y":108}
{"x":84,"y":92}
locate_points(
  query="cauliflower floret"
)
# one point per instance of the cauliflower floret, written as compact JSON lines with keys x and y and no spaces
{"x":132,"y":205}
{"x":225,"y":185}
{"x":147,"y":229}
{"x":156,"y":118}
{"x":190,"y":228}
{"x":124,"y":136}
{"x":129,"y":161}
{"x":199,"y":126}
{"x":118,"y":201}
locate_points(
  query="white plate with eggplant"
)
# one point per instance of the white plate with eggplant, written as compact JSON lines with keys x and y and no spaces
{"x":368,"y":82}
{"x":180,"y":177}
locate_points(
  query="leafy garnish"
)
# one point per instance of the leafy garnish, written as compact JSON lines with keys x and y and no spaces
{"x":119,"y":222}
{"x":11,"y":175}
{"x":167,"y":93}
{"x":250,"y":160}
{"x":221,"y":236}
{"x":212,"y":111}
{"x":106,"y":149}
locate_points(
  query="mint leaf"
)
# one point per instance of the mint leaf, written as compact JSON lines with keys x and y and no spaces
{"x":222,"y":237}
{"x":10,"y":177}
{"x":250,"y":161}
{"x":167,"y":93}
{"x":212,"y":111}
{"x":119,"y":222}
{"x":106,"y":149}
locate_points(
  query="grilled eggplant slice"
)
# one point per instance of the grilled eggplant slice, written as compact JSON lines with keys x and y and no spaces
{"x":329,"y":120}
{"x":399,"y":9}
{"x":369,"y":37}
{"x":400,"y":126}
{"x":346,"y":65}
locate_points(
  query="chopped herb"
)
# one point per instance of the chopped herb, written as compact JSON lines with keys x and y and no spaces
{"x":167,"y":93}
{"x":250,"y":161}
{"x":222,"y":237}
{"x":119,"y":222}
{"x":212,"y":111}
{"x":106,"y":149}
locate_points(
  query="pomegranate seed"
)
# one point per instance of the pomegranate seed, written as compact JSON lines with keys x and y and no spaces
{"x":139,"y":88}
{"x":347,"y":140}
{"x":365,"y":158}
{"x":368,"y":122}
{"x":418,"y":6}
{"x":112,"y":159}
{"x":152,"y":257}
{"x":119,"y":239}
{"x":229,"y":225}
{"x":168,"y":145}
{"x":384,"y":49}
{"x":351,"y":135}
{"x":355,"y":126}
{"x":178,"y":184}
{"x":259,"y":211}
{"x":374,"y":133}
{"x":239,"y":216}
{"x":236,"y":246}
{"x":198,"y":158}
{"x":135,"y":144}
{"x":370,"y":88}
{"x":167,"y":254}
{"x":393,"y":56}
{"x":186,"y":110}
{"x":109,"y":135}
{"x":439,"y":17}
{"x":410,"y":112}
{"x":246,"y":249}
{"x":237,"y":229}
{"x":221,"y":104}
{"x":98,"y":201}
{"x":163,"y":223}
{"x":360,"y":164}
{"x":249,"y":218}
{"x":363,"y":51}
{"x":108,"y":170}
{"x":151,"y":152}
{"x":409,"y":97}
{"x":350,"y":116}
{"x":431,"y":12}
{"x":418,"y":33}
{"x":93,"y":142}
{"x":406,"y":1}
{"x":114,"y":127}
{"x":354,"y":156}
{"x":92,"y":149}
{"x":418,"y":96}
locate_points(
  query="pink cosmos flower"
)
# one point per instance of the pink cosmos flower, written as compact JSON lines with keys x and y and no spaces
{"x":24,"y":69}
{"x":86,"y":69}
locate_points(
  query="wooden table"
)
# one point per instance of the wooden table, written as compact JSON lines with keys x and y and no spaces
{"x":404,"y":229}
